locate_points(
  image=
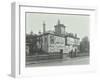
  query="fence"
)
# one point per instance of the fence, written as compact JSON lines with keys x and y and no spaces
{"x":44,"y":57}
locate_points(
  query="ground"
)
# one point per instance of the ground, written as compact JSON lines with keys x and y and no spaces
{"x":69,"y":61}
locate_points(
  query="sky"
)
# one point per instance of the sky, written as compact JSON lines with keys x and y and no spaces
{"x":74,"y":23}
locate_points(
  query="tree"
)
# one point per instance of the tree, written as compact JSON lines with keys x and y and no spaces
{"x":31,"y":41}
{"x":84,"y":45}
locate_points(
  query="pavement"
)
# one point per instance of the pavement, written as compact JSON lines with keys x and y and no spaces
{"x":68,"y":61}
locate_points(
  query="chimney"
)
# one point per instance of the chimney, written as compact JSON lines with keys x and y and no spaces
{"x":58,"y":21}
{"x":31,"y":32}
{"x":39,"y":32}
{"x":76,"y":35}
{"x":44,"y":27}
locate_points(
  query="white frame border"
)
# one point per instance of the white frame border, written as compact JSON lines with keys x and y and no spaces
{"x":18,"y":29}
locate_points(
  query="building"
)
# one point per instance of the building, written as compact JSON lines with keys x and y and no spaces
{"x":60,"y":28}
{"x":57,"y":41}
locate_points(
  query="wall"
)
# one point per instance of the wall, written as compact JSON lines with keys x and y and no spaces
{"x":59,"y":43}
{"x":45,"y":43}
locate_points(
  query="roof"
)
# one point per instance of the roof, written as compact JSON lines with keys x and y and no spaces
{"x":52,"y":34}
{"x":49,"y":33}
{"x":72,"y":36}
{"x":60,"y":25}
{"x":62,"y":35}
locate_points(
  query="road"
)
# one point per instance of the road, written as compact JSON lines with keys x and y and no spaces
{"x":68,"y":61}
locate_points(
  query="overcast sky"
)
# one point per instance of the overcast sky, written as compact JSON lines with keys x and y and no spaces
{"x":74,"y":23}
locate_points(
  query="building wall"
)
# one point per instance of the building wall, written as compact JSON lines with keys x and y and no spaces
{"x":27,"y":50}
{"x":62,"y":30}
{"x":52,"y":43}
{"x":45,"y":43}
{"x":57,"y":30}
{"x":57,"y":45}
{"x":72,"y":41}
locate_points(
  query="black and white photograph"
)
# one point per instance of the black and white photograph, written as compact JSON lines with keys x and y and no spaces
{"x":54,"y":39}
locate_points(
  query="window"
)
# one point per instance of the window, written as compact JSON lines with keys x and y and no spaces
{"x":52,"y":39}
{"x":65,"y":41}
